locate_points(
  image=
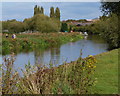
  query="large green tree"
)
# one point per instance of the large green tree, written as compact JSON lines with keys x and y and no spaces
{"x":38,"y":10}
{"x":13,"y":26}
{"x":57,"y":13}
{"x":110,"y":7}
{"x":64,"y":27}
{"x":42,"y":10}
{"x":52,"y":13}
{"x":35,"y":10}
{"x":44,"y":24}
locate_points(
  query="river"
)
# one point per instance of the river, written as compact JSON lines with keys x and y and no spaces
{"x":91,"y":45}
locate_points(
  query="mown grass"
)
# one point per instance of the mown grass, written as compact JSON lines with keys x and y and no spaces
{"x":36,"y":40}
{"x":107,"y":73}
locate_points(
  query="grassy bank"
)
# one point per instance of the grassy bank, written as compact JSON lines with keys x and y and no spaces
{"x":70,"y":78}
{"x":36,"y":40}
{"x":78,"y":77}
{"x":106,"y":73}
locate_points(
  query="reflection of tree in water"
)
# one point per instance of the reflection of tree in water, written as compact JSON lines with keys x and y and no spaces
{"x":55,"y":55}
{"x":39,"y":57}
{"x":96,"y":39}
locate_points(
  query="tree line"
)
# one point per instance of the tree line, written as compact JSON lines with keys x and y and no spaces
{"x":53,"y":13}
{"x":107,"y":25}
{"x":38,"y":22}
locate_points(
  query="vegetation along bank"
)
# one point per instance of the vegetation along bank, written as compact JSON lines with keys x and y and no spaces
{"x":36,"y":40}
{"x":83,"y":76}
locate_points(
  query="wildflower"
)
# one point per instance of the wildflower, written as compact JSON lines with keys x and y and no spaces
{"x":90,"y":56}
{"x":94,"y":66}
{"x":89,"y":66}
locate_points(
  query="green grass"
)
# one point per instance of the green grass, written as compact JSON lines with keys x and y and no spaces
{"x":107,"y":73}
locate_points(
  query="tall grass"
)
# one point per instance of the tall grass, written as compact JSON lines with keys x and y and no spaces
{"x":70,"y":78}
{"x":36,"y":40}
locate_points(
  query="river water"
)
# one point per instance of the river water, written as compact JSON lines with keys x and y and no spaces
{"x":91,"y":45}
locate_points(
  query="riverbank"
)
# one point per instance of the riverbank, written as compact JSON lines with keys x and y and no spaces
{"x":70,"y":78}
{"x":106,"y":73}
{"x":103,"y":75}
{"x":36,"y":40}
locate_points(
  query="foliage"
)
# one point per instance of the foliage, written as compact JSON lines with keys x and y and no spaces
{"x":110,"y":31}
{"x":106,"y":27}
{"x":38,"y":10}
{"x":0,"y":26}
{"x":36,"y":40}
{"x":9,"y":78}
{"x":57,"y":13}
{"x":110,"y":7}
{"x":42,"y":10}
{"x":64,"y":27}
{"x":80,"y":20}
{"x":70,"y":28}
{"x":39,"y":22}
{"x":13,"y":26}
{"x":43,"y":23}
{"x":52,"y":13}
{"x":72,"y":78}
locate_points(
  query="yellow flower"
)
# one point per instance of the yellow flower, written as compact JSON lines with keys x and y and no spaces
{"x":90,"y":56}
{"x":94,"y":66}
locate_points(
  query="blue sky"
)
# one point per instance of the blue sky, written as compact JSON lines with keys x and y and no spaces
{"x":69,"y":10}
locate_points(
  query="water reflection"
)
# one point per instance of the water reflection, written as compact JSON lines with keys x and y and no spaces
{"x":50,"y":56}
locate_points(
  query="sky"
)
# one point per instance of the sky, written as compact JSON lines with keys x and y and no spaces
{"x":69,"y":10}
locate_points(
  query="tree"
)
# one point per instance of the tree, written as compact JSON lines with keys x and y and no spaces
{"x":70,"y":28}
{"x":64,"y":27}
{"x":13,"y":26}
{"x":38,"y":10}
{"x":111,"y":30}
{"x":57,"y":13}
{"x":28,"y":24}
{"x":42,"y":10}
{"x":110,"y":7}
{"x":44,"y":24}
{"x":52,"y":14}
{"x":35,"y":10}
{"x":0,"y":26}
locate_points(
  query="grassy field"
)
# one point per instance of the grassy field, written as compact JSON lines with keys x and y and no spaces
{"x":106,"y":73}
